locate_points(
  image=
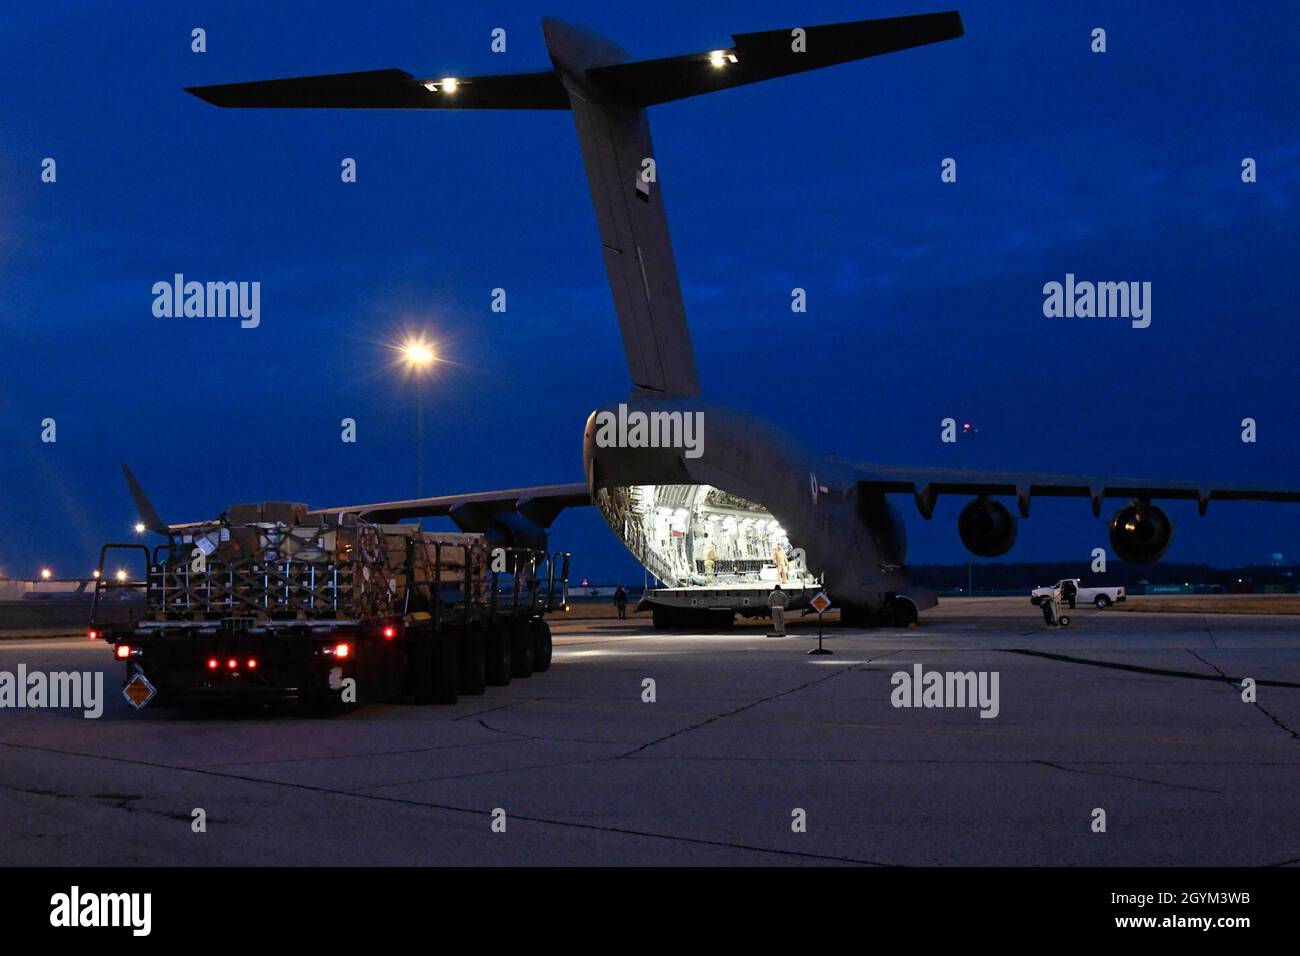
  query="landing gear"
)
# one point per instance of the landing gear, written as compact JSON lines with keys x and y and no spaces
{"x":895,"y":612}
{"x":900,"y":612}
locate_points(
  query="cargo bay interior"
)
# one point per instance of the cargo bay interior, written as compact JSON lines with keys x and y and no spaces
{"x":702,"y":536}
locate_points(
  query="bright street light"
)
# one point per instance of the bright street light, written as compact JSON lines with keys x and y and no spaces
{"x":45,"y":574}
{"x":419,"y":356}
{"x":140,"y":528}
{"x":121,"y":575}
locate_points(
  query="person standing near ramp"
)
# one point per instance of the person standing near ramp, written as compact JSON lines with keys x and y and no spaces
{"x":776,"y":602}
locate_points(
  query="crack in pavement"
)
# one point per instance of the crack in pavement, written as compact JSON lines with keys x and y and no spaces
{"x":1123,"y":776}
{"x":451,"y":808}
{"x":1140,"y":668}
{"x":750,"y":705}
{"x":1235,"y":684}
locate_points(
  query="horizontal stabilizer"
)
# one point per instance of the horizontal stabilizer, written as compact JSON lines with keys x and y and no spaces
{"x":393,"y":90}
{"x":772,"y":53}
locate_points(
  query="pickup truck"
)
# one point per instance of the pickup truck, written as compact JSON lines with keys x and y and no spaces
{"x":1101,"y":597}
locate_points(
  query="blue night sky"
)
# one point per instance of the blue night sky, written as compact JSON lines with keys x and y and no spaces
{"x":925,"y":299}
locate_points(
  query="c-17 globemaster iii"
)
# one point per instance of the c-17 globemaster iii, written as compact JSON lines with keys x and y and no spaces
{"x":721,"y":517}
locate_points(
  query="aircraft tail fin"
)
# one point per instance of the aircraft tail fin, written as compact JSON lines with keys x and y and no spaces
{"x":143,"y":506}
{"x":608,"y":94}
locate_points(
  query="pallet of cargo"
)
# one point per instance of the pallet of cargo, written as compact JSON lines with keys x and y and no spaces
{"x":269,"y":603}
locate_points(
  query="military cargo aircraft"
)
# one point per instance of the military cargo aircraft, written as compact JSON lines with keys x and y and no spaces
{"x":722,"y":518}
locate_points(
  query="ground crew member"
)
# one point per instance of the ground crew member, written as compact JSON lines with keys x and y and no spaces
{"x":776,"y":602}
{"x":782,"y":566}
{"x":710,"y":556}
{"x":620,"y":602}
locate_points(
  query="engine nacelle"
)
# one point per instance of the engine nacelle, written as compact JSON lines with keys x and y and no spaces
{"x":987,"y":528}
{"x":1140,"y":532}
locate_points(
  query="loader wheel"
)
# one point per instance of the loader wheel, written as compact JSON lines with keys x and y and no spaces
{"x":521,"y":648}
{"x":541,"y":645}
{"x":473,"y":661}
{"x":497,"y":642}
{"x":420,"y":664}
{"x":446,"y":669}
{"x":1064,"y":620}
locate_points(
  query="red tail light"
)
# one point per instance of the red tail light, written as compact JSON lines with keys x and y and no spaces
{"x":252,"y":664}
{"x":93,"y":634}
{"x":213,"y":663}
{"x":232,"y":663}
{"x":342,"y":650}
{"x":123,"y":651}
{"x":390,"y":632}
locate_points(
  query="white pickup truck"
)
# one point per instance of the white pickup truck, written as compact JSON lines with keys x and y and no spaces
{"x":1101,"y":597}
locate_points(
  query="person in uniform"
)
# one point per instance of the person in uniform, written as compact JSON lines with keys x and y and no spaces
{"x":710,"y":558}
{"x":776,"y":602}
{"x":782,"y":565}
{"x":620,"y":602}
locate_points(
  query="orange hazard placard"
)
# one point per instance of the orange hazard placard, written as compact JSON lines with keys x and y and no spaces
{"x":138,"y":691}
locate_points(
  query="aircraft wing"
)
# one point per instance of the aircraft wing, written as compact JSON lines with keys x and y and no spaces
{"x":540,"y":505}
{"x":926,"y":484}
{"x":393,"y":90}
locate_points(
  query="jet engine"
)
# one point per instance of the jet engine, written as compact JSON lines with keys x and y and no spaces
{"x":987,"y":528}
{"x":1140,"y":532}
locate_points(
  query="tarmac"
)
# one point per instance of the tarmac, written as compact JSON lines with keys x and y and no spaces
{"x":751,"y":752}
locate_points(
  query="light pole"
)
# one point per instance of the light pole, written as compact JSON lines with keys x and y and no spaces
{"x":419,"y":357}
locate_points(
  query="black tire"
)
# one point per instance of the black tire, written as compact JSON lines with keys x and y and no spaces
{"x":1064,"y":620}
{"x":1102,"y":602}
{"x":446,"y":668}
{"x":497,"y":645}
{"x":903,"y":613}
{"x":854,"y":616}
{"x":521,"y":648}
{"x":473,"y":662}
{"x":542,"y":645}
{"x":1035,"y":601}
{"x":419,"y":663}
